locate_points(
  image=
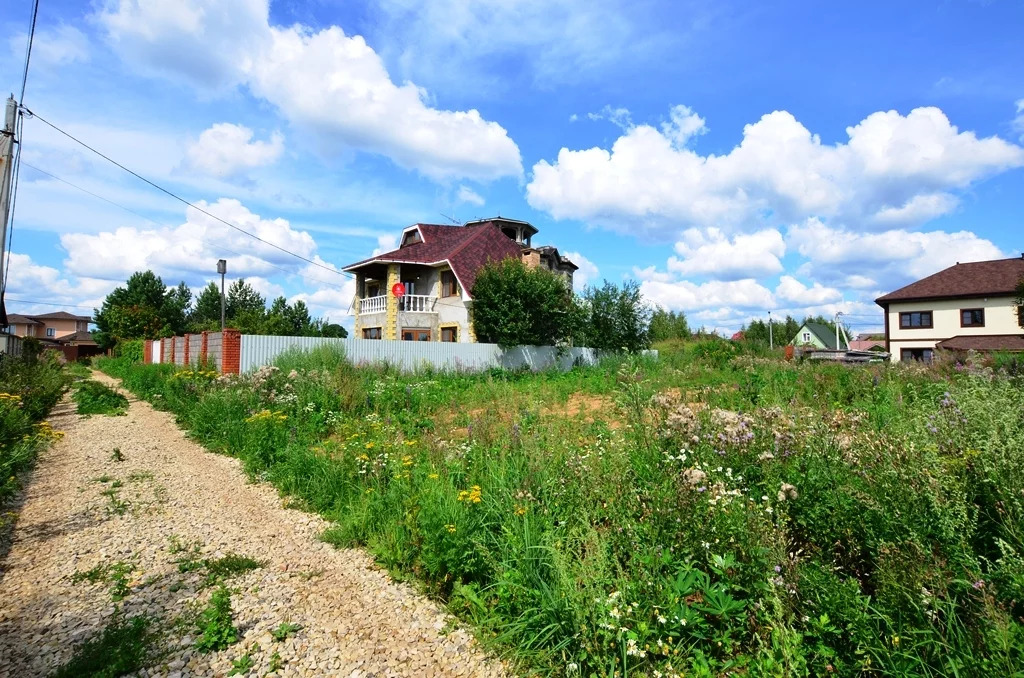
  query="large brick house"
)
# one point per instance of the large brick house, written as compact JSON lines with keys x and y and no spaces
{"x":964,"y":307}
{"x":438,"y":265}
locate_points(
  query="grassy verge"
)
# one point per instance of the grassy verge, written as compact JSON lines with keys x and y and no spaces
{"x":713,"y":513}
{"x":29,"y":389}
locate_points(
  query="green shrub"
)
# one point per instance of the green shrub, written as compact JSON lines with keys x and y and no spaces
{"x":129,"y":350}
{"x":29,"y":389}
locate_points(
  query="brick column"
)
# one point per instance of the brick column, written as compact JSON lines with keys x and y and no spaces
{"x":187,"y":342}
{"x":147,"y":351}
{"x":202,"y":347}
{"x":230,"y":351}
{"x":391,"y":327}
{"x":163,"y":344}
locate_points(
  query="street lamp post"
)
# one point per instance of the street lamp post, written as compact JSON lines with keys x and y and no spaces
{"x":771,"y":339}
{"x":222,"y":268}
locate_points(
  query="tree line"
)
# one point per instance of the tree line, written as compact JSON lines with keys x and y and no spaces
{"x":514,"y":304}
{"x":145,"y":308}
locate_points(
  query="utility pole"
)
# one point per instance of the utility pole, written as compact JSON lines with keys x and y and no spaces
{"x":771,"y":339}
{"x":222,"y":268}
{"x":6,"y":162}
{"x":838,"y":345}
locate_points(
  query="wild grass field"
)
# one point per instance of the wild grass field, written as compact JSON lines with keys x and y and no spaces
{"x":710,"y":513}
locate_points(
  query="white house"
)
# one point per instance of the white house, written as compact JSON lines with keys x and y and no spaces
{"x":965,"y":307}
{"x":437,"y":266}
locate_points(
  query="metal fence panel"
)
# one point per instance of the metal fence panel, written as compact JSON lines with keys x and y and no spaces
{"x":258,"y":350}
{"x":10,"y":344}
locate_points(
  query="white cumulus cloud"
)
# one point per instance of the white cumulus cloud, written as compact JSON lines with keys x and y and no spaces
{"x":794,"y":292}
{"x":746,"y":255}
{"x":469,"y":196}
{"x":225,"y":149}
{"x":891,"y":258}
{"x":190,"y":251}
{"x":893,"y":170}
{"x":331,"y":86}
{"x":684,"y":295}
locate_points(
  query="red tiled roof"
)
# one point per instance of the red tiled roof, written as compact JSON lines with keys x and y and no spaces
{"x":992,"y":342}
{"x":866,"y":344}
{"x":466,"y":248}
{"x":973,"y":279}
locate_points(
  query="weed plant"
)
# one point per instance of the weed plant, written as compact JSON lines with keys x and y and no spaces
{"x":124,"y":646}
{"x":215,"y":623}
{"x":92,"y":397}
{"x":715,"y":512}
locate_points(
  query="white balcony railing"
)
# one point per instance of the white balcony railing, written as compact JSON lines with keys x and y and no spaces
{"x":416,"y":303}
{"x":373,"y":304}
{"x":410,"y":303}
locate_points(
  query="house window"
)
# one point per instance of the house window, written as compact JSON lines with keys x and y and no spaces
{"x":915,"y":320}
{"x":807,"y":337}
{"x":411,"y":238}
{"x":371,"y":333}
{"x":449,"y":285}
{"x":415,"y":335}
{"x":449,"y":334}
{"x":373,"y":289}
{"x":51,"y":332}
{"x":972,"y":317}
{"x":921,"y":355}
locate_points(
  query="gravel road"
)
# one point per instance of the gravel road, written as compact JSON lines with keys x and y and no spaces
{"x":355,"y":621}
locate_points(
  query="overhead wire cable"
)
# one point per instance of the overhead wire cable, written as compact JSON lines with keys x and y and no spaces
{"x":155,"y":222}
{"x":19,"y":131}
{"x":181,"y":199}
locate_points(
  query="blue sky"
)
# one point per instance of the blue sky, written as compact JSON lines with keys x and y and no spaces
{"x":734,"y":159}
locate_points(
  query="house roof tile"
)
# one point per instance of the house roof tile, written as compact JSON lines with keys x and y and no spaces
{"x":61,"y":315}
{"x":972,"y":279}
{"x":466,"y":248}
{"x":991,"y":342}
{"x":18,"y":319}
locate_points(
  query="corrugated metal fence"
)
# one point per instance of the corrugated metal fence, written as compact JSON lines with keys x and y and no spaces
{"x":257,"y":351}
{"x":10,"y":344}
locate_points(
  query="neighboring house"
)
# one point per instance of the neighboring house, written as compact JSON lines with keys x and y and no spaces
{"x":737,"y":336}
{"x":47,"y":325}
{"x":818,"y":336}
{"x":868,"y":342}
{"x":964,"y":307}
{"x":438,"y":265}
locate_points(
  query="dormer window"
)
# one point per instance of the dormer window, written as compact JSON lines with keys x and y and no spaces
{"x":411,"y":238}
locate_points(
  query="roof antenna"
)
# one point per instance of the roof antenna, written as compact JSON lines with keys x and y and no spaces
{"x":454,"y":221}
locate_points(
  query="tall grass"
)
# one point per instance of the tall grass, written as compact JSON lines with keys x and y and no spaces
{"x":720,"y":513}
{"x":30,"y":386}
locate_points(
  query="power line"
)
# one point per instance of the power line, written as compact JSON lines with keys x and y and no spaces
{"x":28,"y":50}
{"x":153,"y":221}
{"x":19,"y":130}
{"x":46,"y":303}
{"x":179,"y":198}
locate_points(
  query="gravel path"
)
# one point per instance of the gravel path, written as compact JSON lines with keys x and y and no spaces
{"x":355,"y":621}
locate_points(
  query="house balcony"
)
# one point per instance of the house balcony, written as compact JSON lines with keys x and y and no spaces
{"x":410,"y":303}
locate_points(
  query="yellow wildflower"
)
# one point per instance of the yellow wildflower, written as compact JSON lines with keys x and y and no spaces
{"x":433,"y":476}
{"x":369,"y":445}
{"x":450,"y":528}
